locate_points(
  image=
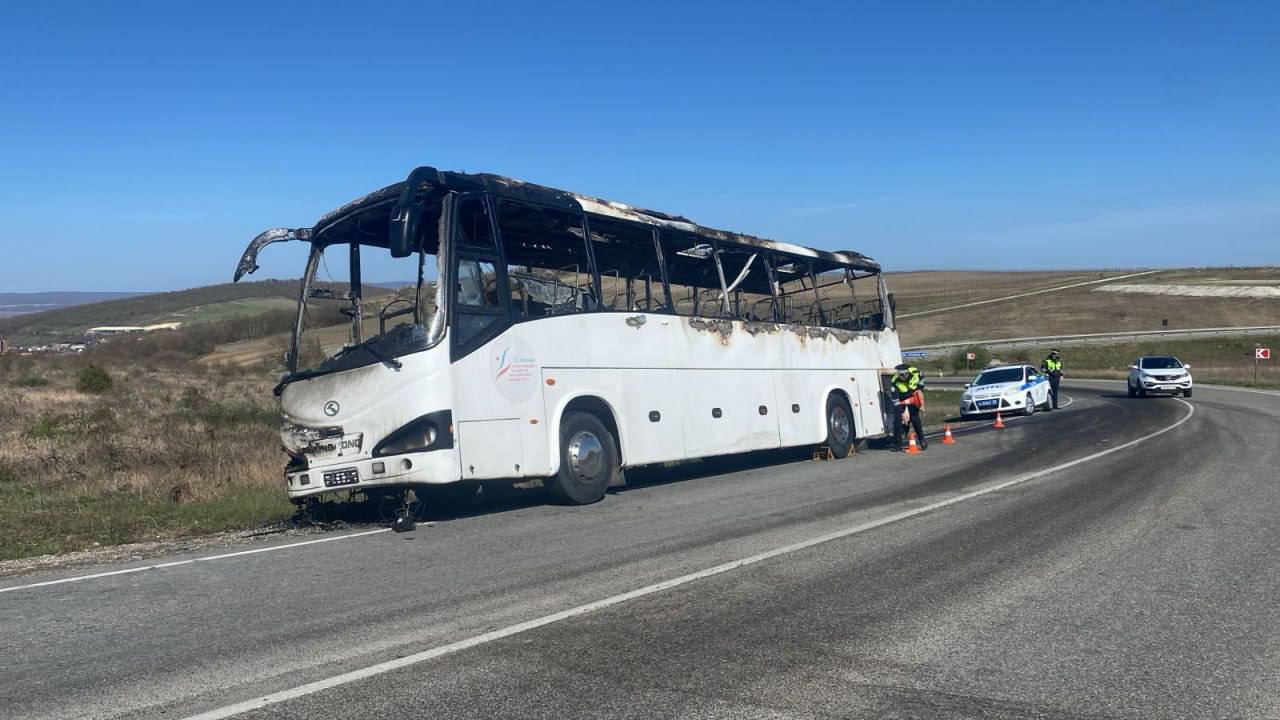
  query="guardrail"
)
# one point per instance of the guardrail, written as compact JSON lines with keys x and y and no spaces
{"x":930,"y":351}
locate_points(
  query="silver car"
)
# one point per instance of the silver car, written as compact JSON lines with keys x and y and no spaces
{"x":1162,"y":374}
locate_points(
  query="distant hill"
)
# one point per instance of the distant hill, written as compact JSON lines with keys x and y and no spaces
{"x":14,"y":303}
{"x":193,"y":305}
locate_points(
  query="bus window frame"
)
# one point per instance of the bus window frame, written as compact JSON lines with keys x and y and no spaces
{"x":459,"y":253}
{"x":591,"y":272}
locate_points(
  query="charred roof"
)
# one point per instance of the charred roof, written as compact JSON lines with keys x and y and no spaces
{"x":426,"y":181}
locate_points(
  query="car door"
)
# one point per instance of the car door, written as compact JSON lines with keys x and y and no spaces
{"x":1038,"y":385}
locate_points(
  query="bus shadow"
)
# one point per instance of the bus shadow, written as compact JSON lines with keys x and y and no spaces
{"x":497,"y":497}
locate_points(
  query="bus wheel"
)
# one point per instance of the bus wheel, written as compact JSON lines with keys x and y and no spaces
{"x":588,"y":460}
{"x":839,"y":426}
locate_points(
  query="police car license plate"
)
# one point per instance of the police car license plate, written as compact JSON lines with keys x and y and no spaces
{"x":987,"y":404}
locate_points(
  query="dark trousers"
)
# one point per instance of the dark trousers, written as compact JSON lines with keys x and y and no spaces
{"x":900,"y":429}
{"x":1053,"y":389}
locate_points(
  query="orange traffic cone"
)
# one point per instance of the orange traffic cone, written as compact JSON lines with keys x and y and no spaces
{"x":946,"y":436}
{"x":999,"y":422}
{"x":912,"y":448}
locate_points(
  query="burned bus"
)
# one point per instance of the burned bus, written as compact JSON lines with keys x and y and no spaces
{"x":555,"y":337}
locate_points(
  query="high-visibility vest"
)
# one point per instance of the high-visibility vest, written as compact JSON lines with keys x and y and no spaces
{"x":1052,"y":365}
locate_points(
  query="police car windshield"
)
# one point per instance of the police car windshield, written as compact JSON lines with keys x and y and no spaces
{"x":1160,"y":363}
{"x":1004,"y":375}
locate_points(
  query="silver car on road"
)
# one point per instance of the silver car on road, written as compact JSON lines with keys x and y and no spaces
{"x":1162,"y":374}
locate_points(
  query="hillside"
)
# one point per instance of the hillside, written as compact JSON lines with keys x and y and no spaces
{"x":1186,"y":298}
{"x":192,"y":305}
{"x":17,"y":303}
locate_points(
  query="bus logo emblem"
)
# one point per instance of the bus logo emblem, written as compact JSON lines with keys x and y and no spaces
{"x":331,"y":408}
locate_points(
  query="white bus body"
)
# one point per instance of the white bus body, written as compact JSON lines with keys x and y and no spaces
{"x":663,"y":386}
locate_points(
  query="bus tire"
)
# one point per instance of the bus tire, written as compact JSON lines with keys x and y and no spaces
{"x":588,"y":460}
{"x":840,"y":429}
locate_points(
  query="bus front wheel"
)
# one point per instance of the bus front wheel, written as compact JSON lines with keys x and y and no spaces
{"x":588,"y":460}
{"x":840,"y":432}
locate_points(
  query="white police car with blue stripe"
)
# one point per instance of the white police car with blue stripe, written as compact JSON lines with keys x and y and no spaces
{"x":1006,"y":388}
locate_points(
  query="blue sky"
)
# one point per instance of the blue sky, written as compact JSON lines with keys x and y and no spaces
{"x":144,"y":143}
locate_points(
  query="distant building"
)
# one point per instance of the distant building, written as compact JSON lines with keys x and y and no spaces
{"x":126,"y":329}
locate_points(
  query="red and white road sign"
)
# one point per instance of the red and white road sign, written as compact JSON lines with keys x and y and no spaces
{"x":1262,"y":353}
{"x":971,"y":356}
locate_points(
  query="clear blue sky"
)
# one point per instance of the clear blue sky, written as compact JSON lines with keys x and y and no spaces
{"x":144,"y":143}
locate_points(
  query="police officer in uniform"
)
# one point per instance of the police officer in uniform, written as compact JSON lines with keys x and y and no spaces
{"x":905,"y":384}
{"x":1052,"y":366}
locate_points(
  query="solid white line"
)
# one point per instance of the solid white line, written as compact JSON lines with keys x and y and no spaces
{"x":176,"y":563}
{"x":1026,"y":294}
{"x":408,"y":660}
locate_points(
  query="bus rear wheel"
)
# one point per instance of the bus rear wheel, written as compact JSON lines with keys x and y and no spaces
{"x":588,"y":460}
{"x":839,"y":426}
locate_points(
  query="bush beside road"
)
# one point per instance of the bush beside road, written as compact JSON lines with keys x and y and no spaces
{"x":162,"y":452}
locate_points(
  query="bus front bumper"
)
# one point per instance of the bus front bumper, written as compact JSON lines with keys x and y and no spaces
{"x":432,"y":467}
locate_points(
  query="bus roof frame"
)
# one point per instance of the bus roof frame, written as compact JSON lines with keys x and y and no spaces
{"x":425,"y":179}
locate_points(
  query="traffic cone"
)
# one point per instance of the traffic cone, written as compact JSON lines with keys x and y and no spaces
{"x":999,"y":422}
{"x":946,"y":435}
{"x":912,"y":447}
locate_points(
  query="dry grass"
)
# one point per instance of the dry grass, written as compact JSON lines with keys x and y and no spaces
{"x":1079,"y":310}
{"x":919,"y":291}
{"x":163,"y":453}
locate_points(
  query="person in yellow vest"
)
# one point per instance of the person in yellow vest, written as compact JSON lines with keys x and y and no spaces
{"x":1052,"y":367}
{"x":909,"y":397}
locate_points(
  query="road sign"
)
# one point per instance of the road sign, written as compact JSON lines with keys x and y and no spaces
{"x":1262,"y":353}
{"x":914,"y":354}
{"x":971,"y":356}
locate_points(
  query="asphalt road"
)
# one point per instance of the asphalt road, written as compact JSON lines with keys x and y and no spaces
{"x":1118,"y":558}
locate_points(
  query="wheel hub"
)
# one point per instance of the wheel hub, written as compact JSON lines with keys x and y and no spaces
{"x":839,"y":425}
{"x":586,"y":456}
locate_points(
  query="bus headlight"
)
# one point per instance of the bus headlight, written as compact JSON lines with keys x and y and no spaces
{"x":429,"y":432}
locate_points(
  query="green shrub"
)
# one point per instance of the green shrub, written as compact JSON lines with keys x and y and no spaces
{"x":53,"y":426}
{"x":93,"y":380}
{"x":31,"y":381}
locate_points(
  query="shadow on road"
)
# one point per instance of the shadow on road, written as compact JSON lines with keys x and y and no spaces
{"x":486,"y":498}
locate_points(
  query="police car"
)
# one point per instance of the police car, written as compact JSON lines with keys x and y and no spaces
{"x":1007,"y":388}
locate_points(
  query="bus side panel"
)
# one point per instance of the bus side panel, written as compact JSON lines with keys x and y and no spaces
{"x":652,"y":410}
{"x":491,"y":449}
{"x":498,"y":410}
{"x":870,"y":410}
{"x":800,"y":400}
{"x":722,"y":411}
{"x":647,"y":404}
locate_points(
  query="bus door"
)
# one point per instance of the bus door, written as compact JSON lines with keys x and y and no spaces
{"x":489,"y":418}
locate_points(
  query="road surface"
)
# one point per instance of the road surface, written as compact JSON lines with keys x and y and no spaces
{"x":1117,"y":558}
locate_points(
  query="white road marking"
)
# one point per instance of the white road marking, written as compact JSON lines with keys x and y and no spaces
{"x":436,"y":652}
{"x":1025,"y":294}
{"x":176,"y":563}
